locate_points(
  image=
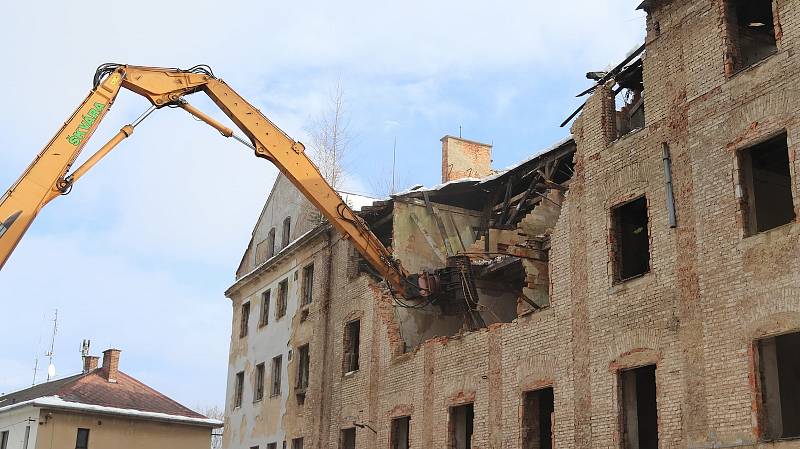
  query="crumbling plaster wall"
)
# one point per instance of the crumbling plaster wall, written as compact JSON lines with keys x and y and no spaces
{"x":284,"y":201}
{"x":273,"y":418}
{"x":420,"y":245}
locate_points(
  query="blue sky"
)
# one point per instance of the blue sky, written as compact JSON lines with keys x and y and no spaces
{"x":139,"y":254}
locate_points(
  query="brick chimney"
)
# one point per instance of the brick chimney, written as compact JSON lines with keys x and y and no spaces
{"x":90,"y":363}
{"x":110,"y":368}
{"x":462,"y":158}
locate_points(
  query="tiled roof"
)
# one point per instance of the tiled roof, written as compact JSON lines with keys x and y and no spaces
{"x":93,"y":389}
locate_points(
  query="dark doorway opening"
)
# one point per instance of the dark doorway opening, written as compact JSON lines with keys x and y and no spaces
{"x":639,"y":411}
{"x":462,"y":420}
{"x":537,"y":419}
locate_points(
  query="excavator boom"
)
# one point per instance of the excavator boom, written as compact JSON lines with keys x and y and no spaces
{"x":48,"y":177}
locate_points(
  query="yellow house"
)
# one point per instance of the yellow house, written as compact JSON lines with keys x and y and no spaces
{"x":101,"y":408}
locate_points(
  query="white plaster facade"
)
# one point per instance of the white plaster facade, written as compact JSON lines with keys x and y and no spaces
{"x":258,"y":422}
{"x":15,"y":421}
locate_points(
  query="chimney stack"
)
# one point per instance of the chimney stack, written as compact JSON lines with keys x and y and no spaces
{"x":110,"y":368}
{"x":90,"y":363}
{"x":462,"y":158}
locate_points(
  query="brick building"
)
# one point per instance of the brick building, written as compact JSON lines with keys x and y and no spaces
{"x":636,"y":285}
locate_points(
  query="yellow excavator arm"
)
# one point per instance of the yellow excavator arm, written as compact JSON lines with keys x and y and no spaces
{"x":49,"y":175}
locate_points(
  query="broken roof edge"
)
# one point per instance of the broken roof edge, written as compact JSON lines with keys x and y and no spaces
{"x":542,"y":153}
{"x":498,"y":174}
{"x":55,"y":402}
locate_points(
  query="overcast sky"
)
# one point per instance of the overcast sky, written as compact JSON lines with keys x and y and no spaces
{"x":138,"y":256}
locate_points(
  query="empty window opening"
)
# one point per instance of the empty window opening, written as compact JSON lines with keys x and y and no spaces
{"x":276,"y":375}
{"x":630,"y":99}
{"x":779,"y":368}
{"x":537,"y":419}
{"x":400,"y":431}
{"x":308,"y":285}
{"x":303,"y":363}
{"x":287,"y":232}
{"x":767,"y":185}
{"x":631,"y":242}
{"x":751,"y":31}
{"x":238,"y":389}
{"x":253,"y":447}
{"x":258,"y":390}
{"x":639,"y":412}
{"x":265,"y":300}
{"x":461,"y":426}
{"x":347,"y":438}
{"x":243,"y":325}
{"x":283,"y":296}
{"x":272,"y":446}
{"x":297,"y":443}
{"x":4,"y":439}
{"x":82,"y":439}
{"x":271,"y":243}
{"x":352,"y":340}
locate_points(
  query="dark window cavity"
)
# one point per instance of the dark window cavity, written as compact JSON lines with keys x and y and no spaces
{"x":258,"y":391}
{"x":297,"y":443}
{"x":766,"y":185}
{"x":751,"y":31}
{"x":265,"y":299}
{"x":347,"y":438}
{"x":461,"y":425}
{"x":283,"y":295}
{"x":287,"y":232}
{"x":82,"y":439}
{"x":400,"y":432}
{"x":352,"y":341}
{"x":779,"y":376}
{"x":243,"y":325}
{"x":630,"y":238}
{"x":308,"y":285}
{"x":639,"y":412}
{"x":277,"y":362}
{"x":537,"y":419}
{"x":238,"y":389}
{"x":271,"y":243}
{"x":303,"y":363}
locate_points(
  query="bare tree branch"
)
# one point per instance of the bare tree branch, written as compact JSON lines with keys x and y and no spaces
{"x":214,"y":412}
{"x":331,"y":138}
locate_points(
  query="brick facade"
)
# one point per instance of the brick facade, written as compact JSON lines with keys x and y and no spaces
{"x":709,"y":293}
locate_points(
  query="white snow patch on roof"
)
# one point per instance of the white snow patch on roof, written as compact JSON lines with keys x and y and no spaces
{"x":356,"y":201}
{"x":419,"y":188}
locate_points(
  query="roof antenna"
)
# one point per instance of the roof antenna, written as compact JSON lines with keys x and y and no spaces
{"x":51,"y":369}
{"x":394,"y":156}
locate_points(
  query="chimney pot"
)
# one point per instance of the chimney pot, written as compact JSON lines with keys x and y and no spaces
{"x":462,"y":158}
{"x":110,"y":368}
{"x":90,"y":363}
